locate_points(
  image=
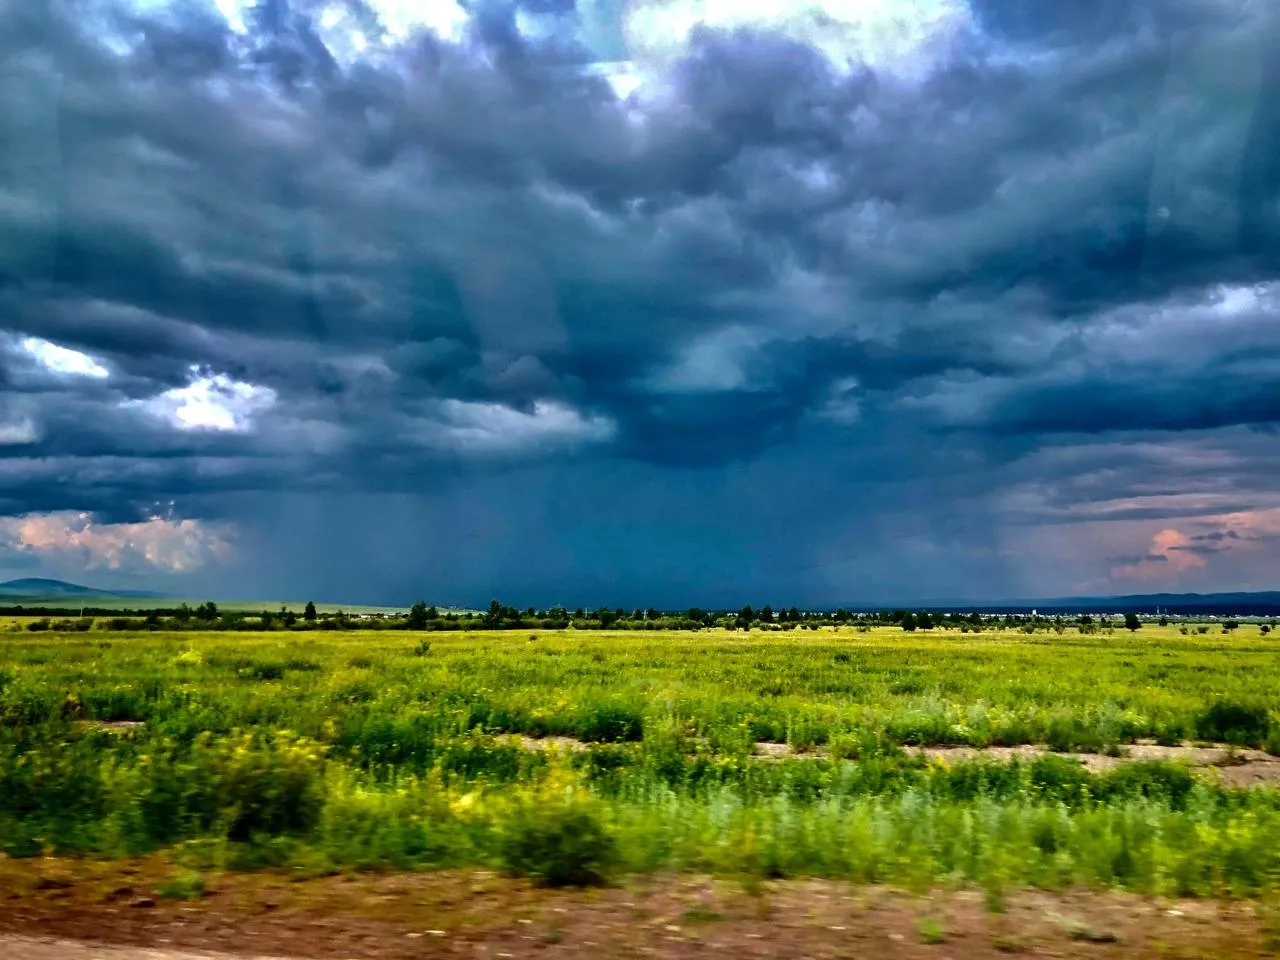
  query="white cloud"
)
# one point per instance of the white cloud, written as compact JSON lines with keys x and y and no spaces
{"x":447,"y":18}
{"x":210,"y":402}
{"x":63,"y":360}
{"x":716,"y":362}
{"x":72,"y":539}
{"x":471,"y":427}
{"x":17,"y":432}
{"x":843,"y":405}
{"x":899,"y":36}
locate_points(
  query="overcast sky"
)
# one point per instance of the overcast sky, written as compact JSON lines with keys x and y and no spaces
{"x":644,"y":302}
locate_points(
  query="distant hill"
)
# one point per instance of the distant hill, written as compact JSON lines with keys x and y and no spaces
{"x":40,"y":588}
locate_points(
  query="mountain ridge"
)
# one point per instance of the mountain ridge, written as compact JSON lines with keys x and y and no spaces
{"x":48,"y":588}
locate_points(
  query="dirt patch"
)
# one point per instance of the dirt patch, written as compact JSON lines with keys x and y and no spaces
{"x":1237,"y":767}
{"x":477,"y":914}
{"x":564,"y":744}
{"x":118,"y":726}
{"x":28,"y":948}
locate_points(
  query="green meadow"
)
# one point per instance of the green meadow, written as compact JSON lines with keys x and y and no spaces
{"x":575,"y":756}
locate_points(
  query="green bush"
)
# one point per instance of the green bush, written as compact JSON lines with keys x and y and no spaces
{"x":559,"y":847}
{"x":610,"y":723}
{"x":1236,"y":723}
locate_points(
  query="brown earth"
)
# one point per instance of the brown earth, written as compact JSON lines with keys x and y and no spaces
{"x":1236,"y":766}
{"x":78,"y":910}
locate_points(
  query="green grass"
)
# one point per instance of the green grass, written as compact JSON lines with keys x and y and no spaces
{"x":375,"y":749}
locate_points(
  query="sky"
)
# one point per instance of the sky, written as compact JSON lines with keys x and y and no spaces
{"x":640,"y":302}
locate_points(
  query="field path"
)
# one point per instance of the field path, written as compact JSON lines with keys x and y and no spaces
{"x":65,"y":910}
{"x":26,"y":948}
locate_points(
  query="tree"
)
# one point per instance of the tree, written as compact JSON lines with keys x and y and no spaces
{"x":494,"y":615}
{"x":309,"y":613}
{"x":766,"y":614}
{"x":909,"y":622}
{"x":924,"y":621}
{"x":1131,"y":622}
{"x":417,"y":619}
{"x":207,"y":611}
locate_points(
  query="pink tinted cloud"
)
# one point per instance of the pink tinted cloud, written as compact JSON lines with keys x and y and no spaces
{"x":158,"y":543}
{"x":1169,"y":556}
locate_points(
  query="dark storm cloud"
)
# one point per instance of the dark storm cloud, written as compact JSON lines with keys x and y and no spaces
{"x":470,"y":260}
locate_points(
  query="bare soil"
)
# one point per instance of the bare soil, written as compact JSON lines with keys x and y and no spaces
{"x":1235,"y":766}
{"x":80,"y":910}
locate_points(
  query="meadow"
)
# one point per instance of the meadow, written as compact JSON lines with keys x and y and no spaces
{"x":573,"y":756}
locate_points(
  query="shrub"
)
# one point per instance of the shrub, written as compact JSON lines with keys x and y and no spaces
{"x":610,"y":723}
{"x":559,"y":847}
{"x":263,"y":671}
{"x":1235,"y":723}
{"x":184,"y":886}
{"x":38,"y":626}
{"x":269,"y":788}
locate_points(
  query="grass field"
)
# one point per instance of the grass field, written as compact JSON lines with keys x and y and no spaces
{"x":418,"y":751}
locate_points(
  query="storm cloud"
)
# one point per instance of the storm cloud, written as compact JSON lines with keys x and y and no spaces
{"x":314,"y":298}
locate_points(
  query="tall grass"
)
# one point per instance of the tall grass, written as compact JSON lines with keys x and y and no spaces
{"x":367,"y":750}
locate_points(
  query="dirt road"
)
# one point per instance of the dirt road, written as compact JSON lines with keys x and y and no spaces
{"x":26,"y":948}
{"x":54,"y":909}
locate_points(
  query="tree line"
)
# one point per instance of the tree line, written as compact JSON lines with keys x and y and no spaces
{"x":499,"y":616}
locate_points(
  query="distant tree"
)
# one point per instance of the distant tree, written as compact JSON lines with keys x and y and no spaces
{"x":1265,"y":629}
{"x":766,"y":614}
{"x":606,"y":617}
{"x":184,"y":613}
{"x":207,"y":611}
{"x":924,"y":621}
{"x":579,"y":614}
{"x":417,"y":618}
{"x":309,"y":612}
{"x":287,"y":616}
{"x":1164,"y":621}
{"x":493,"y":616}
{"x":793,"y":615}
{"x":1131,"y":622}
{"x":909,"y":622}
